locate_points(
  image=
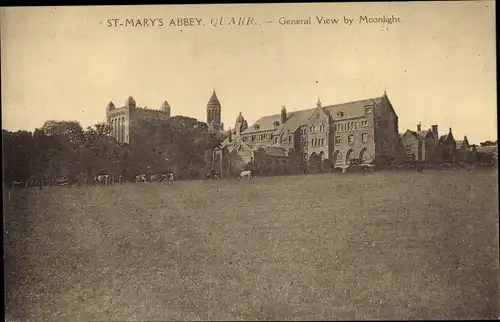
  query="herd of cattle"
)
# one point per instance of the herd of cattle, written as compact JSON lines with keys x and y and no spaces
{"x":109,"y":179}
{"x":164,"y":178}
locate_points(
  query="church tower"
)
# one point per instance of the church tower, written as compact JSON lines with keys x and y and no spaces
{"x":214,"y":113}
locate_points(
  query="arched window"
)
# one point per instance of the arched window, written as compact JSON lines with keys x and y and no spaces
{"x":312,"y":142}
{"x":339,"y":156}
{"x":290,"y":139}
{"x":322,"y":142}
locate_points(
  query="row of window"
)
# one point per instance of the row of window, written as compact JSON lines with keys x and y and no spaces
{"x":318,"y":142}
{"x":118,"y":128}
{"x":349,"y":126}
{"x":283,"y":138}
{"x":350,"y":138}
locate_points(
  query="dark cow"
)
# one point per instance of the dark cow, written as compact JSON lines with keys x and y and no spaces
{"x":213,"y":175}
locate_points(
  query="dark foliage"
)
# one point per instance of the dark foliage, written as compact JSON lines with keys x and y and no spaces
{"x":65,"y":149}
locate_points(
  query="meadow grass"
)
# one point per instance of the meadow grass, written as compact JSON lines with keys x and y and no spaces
{"x":330,"y":246}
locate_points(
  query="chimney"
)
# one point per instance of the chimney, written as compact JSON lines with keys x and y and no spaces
{"x":419,"y":127}
{"x":435,"y":130}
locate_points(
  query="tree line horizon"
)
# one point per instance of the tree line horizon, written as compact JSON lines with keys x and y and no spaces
{"x":65,"y":149}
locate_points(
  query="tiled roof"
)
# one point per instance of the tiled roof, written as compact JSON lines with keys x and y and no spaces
{"x":297,"y":118}
{"x":274,"y":151}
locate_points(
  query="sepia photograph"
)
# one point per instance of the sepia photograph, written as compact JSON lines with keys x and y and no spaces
{"x":273,"y":161}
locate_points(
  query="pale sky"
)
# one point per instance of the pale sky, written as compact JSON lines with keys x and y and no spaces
{"x":438,"y":64}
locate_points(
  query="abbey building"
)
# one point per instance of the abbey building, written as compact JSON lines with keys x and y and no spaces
{"x":125,"y":120}
{"x":329,"y":135}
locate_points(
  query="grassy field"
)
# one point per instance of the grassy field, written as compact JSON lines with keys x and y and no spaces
{"x":354,"y":246}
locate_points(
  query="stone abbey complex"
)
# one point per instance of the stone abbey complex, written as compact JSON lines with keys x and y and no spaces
{"x":366,"y":129}
{"x":329,"y":136}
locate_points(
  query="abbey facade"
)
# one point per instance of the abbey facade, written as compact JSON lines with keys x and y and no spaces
{"x":366,"y":130}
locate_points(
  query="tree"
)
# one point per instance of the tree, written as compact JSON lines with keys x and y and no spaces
{"x":488,"y":143}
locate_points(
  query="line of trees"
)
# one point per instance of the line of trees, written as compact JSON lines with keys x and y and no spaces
{"x":65,"y":149}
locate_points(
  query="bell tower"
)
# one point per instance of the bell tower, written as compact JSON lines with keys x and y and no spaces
{"x":214,"y":113}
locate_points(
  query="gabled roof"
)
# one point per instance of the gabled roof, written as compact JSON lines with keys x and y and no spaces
{"x":297,"y":118}
{"x":446,"y":137}
{"x":419,"y":135}
{"x":459,"y":144}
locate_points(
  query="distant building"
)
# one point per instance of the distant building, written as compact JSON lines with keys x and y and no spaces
{"x":487,"y":153}
{"x":325,"y":135}
{"x":422,"y":145}
{"x":463,"y":151}
{"x":449,"y":146}
{"x":124,"y":119}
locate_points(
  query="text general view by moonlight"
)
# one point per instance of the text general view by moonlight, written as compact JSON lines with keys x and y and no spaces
{"x":385,"y":19}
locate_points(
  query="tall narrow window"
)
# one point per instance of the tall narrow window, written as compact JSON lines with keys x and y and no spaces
{"x":118,"y":129}
{"x":350,"y":139}
{"x":123,"y":129}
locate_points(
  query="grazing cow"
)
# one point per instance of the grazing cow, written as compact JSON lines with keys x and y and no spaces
{"x":102,"y":179}
{"x":162,"y":178}
{"x":247,"y":174}
{"x":140,"y":178}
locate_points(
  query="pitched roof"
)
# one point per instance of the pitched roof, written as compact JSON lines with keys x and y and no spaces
{"x":275,"y":151}
{"x":214,"y":100}
{"x":420,"y":135}
{"x":297,"y":118}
